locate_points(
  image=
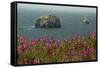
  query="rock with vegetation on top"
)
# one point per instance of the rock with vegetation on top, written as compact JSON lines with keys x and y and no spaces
{"x":50,"y":21}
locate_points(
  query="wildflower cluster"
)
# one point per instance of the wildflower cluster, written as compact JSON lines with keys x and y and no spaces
{"x":49,"y":50}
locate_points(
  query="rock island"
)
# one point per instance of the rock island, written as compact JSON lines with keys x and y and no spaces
{"x":49,"y":21}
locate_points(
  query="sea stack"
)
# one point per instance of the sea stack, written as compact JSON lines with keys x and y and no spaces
{"x":86,"y":20}
{"x":49,"y":21}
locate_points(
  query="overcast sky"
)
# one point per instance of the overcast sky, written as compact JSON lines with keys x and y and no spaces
{"x":55,"y":8}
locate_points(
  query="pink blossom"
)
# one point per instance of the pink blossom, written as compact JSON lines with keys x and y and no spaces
{"x":92,"y":34}
{"x":31,"y":42}
{"x":35,"y":61}
{"x":20,"y":38}
{"x":58,"y":43}
{"x":76,"y":39}
{"x":87,"y":51}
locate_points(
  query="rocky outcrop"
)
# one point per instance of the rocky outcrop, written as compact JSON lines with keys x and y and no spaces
{"x":50,"y":21}
{"x":86,"y":20}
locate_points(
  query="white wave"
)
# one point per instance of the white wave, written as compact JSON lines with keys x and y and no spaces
{"x":26,"y":27}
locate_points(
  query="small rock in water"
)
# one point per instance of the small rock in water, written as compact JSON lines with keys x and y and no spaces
{"x":86,"y":20}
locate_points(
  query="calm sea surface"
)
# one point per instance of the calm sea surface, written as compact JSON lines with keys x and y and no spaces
{"x":71,"y":23}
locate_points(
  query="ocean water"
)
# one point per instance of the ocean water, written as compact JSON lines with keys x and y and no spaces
{"x":71,"y":24}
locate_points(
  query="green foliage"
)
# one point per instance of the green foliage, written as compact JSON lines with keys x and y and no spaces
{"x":47,"y":50}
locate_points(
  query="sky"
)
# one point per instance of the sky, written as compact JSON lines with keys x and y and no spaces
{"x":39,"y":7}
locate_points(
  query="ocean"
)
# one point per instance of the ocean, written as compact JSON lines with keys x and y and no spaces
{"x":71,"y":24}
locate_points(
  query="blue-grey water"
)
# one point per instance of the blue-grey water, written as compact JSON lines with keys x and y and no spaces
{"x":71,"y":23}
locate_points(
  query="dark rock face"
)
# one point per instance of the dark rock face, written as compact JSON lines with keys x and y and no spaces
{"x":50,"y":21}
